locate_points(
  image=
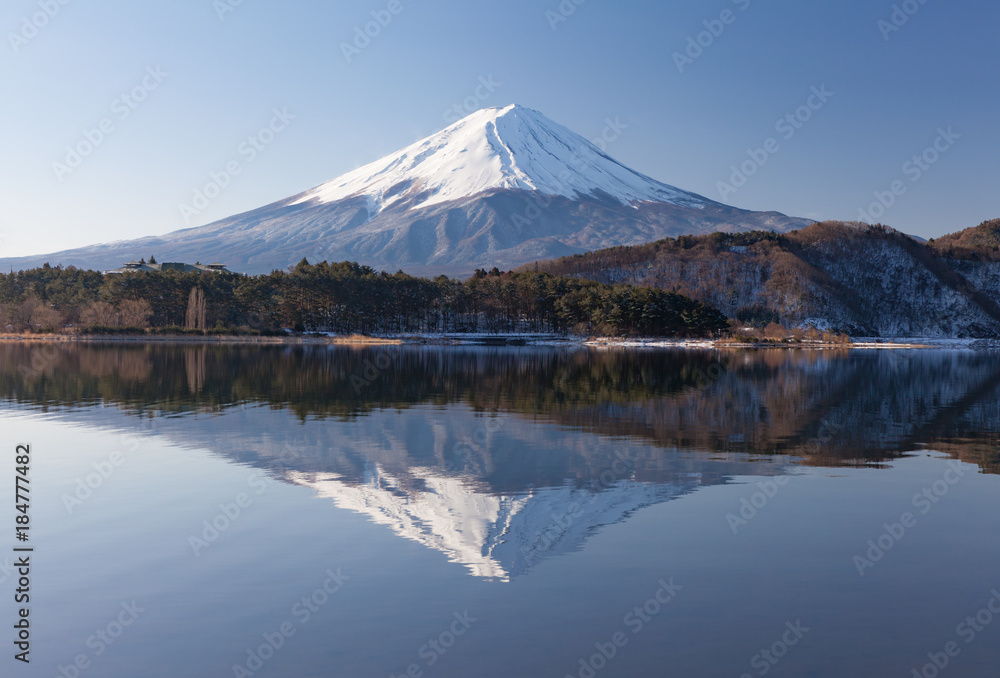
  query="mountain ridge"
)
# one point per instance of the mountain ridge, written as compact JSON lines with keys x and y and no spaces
{"x":502,"y":187}
{"x":865,"y":280}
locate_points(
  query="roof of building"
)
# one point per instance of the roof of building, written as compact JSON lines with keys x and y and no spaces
{"x":134,"y":266}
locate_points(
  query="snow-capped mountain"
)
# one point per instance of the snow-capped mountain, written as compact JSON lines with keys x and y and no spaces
{"x":372,"y":466}
{"x":502,"y":187}
{"x":493,"y":149}
{"x":497,"y":537}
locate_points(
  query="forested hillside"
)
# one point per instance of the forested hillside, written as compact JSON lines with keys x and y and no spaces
{"x":343,"y":298}
{"x":843,"y":277}
{"x":857,"y":278}
{"x":979,"y":243}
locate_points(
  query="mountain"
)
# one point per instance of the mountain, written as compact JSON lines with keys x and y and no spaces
{"x":373,"y":469}
{"x":502,"y":187}
{"x":856,"y":278}
{"x":498,"y":537}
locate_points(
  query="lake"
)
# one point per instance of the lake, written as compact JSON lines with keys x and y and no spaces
{"x":234,"y":510}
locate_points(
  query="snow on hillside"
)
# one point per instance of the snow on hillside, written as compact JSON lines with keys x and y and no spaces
{"x":497,"y":148}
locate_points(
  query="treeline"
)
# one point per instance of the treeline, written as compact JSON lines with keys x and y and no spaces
{"x":343,"y":298}
{"x":865,"y":280}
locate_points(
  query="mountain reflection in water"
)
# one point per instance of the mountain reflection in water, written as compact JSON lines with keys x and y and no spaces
{"x":499,"y":458}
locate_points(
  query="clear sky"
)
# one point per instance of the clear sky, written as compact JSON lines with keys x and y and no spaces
{"x":199,"y":77}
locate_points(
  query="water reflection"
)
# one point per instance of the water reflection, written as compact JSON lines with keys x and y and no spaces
{"x":566,"y":483}
{"x":490,"y":455}
{"x":836,"y":408}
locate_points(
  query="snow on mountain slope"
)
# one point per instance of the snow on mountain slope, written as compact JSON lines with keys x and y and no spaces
{"x":503,"y":187}
{"x":503,"y":514}
{"x":497,"y":148}
{"x":496,"y":537}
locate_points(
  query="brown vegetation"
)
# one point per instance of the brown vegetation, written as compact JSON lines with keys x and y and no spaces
{"x":979,"y":243}
{"x":859,"y":278}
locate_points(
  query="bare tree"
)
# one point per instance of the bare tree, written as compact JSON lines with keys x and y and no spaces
{"x":100,"y":314}
{"x":47,"y":318}
{"x":195,"y":319}
{"x":20,"y":316}
{"x":775,"y":331}
{"x":135,"y":312}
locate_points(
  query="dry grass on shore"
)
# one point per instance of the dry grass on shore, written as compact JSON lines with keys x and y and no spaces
{"x":364,"y":340}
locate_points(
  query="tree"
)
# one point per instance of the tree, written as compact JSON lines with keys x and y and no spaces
{"x":46,"y":318}
{"x":152,"y":259}
{"x":100,"y":314}
{"x":775,"y":331}
{"x":135,"y":313}
{"x":22,"y":315}
{"x":195,"y":318}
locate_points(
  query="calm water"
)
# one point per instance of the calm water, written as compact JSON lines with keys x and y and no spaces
{"x":505,"y":512}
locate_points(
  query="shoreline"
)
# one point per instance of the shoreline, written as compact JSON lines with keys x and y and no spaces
{"x":483,"y":339}
{"x":353,"y":340}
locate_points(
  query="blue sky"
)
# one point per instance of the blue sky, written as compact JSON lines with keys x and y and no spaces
{"x":211,"y":73}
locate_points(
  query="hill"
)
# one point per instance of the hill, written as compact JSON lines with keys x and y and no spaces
{"x":861,"y":279}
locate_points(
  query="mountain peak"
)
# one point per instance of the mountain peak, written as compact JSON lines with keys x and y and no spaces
{"x":510,"y":147}
{"x":503,"y":187}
